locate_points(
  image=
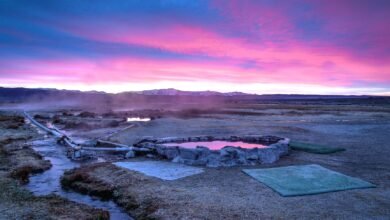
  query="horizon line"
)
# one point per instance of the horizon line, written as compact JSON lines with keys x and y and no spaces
{"x":138,"y":91}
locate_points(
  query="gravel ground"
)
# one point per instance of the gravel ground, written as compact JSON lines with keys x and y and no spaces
{"x":227,"y":193}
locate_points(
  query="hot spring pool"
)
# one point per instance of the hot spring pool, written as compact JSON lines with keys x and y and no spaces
{"x":216,"y":145}
{"x":138,"y":119}
{"x":218,"y":151}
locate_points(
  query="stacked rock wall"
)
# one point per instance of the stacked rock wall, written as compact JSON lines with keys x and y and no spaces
{"x":227,"y":156}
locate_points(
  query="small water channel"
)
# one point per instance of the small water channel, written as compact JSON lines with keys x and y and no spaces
{"x":49,"y":181}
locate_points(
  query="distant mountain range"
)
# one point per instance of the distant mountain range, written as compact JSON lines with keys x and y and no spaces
{"x":175,"y":92}
{"x":17,"y":95}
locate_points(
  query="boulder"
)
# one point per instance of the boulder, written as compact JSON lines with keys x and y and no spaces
{"x":213,"y":160}
{"x":282,"y":146}
{"x":210,"y":138}
{"x":189,"y":154}
{"x":167,"y":140}
{"x":203,"y":152}
{"x":151,"y":156}
{"x":234,"y":138}
{"x":171,"y":152}
{"x":227,"y":156}
{"x":250,"y":139}
{"x":160,"y":149}
{"x":224,"y":152}
{"x":130,"y":154}
{"x":203,"y":138}
{"x":194,"y":139}
{"x":144,"y":140}
{"x":147,"y":145}
{"x":268,"y":155}
{"x":252,"y":154}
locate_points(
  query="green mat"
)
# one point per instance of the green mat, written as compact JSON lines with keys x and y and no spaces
{"x":314,"y":148}
{"x":305,"y":180}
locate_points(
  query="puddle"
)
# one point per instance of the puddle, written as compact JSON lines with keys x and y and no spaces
{"x":216,"y":145}
{"x":137,"y":119}
{"x":49,"y":181}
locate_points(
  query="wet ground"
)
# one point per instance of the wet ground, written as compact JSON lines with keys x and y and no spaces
{"x":18,"y":161}
{"x":49,"y":182}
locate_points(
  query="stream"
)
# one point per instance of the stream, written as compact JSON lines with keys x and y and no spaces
{"x":49,"y":181}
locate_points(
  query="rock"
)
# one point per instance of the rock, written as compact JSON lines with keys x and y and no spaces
{"x":190,"y":154}
{"x":241,"y":156}
{"x":213,"y":160}
{"x":147,"y":145}
{"x":203,"y":138}
{"x":229,"y":152}
{"x":167,"y":140}
{"x":177,"y":159}
{"x":150,"y":156}
{"x":210,"y":138}
{"x":87,"y":114}
{"x":203,"y":152}
{"x":224,"y":153}
{"x":130,"y":154}
{"x":234,"y":138}
{"x":282,"y":146}
{"x":171,"y":152}
{"x":160,"y":149}
{"x":144,"y":140}
{"x":268,"y":155}
{"x":250,"y":139}
{"x":252,"y":154}
{"x":227,"y":156}
{"x":194,"y":139}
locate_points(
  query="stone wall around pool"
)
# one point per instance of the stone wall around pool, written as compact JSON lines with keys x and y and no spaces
{"x":225,"y":157}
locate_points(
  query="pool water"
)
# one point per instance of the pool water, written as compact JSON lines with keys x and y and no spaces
{"x":137,"y":119}
{"x":216,"y":145}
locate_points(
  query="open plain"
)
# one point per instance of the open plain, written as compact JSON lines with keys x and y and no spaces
{"x":227,"y":192}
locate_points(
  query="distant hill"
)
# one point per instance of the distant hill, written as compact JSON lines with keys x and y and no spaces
{"x":175,"y":92}
{"x":16,"y":95}
{"x":19,"y":95}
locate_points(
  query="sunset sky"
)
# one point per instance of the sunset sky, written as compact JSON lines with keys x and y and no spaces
{"x":260,"y":46}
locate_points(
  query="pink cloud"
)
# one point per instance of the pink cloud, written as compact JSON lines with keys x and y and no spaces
{"x":287,"y":60}
{"x":150,"y":70}
{"x":271,"y":44}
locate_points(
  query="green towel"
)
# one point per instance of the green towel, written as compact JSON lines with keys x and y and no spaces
{"x":305,"y":180}
{"x":314,"y":148}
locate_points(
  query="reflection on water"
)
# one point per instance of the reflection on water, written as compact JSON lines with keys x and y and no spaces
{"x":216,"y":145}
{"x":49,"y":181}
{"x":137,"y":119}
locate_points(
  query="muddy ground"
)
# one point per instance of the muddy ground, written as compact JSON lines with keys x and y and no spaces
{"x":227,"y":193}
{"x":17,"y":162}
